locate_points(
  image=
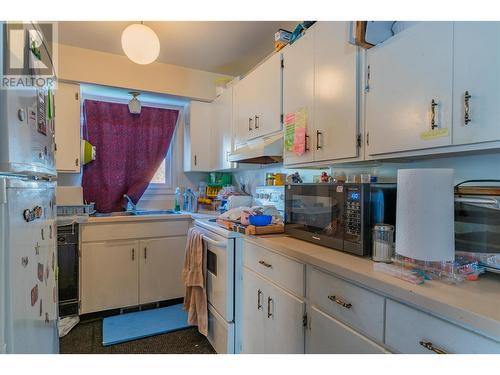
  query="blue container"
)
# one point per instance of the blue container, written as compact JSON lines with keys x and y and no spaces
{"x":260,"y":220}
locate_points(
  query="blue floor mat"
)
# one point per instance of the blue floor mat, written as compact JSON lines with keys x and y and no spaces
{"x":137,"y":325}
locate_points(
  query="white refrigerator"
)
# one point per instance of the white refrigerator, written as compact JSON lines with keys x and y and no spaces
{"x":28,"y":258}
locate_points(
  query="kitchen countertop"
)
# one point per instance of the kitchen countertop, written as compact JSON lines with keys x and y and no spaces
{"x":182,"y":215}
{"x":474,"y":305}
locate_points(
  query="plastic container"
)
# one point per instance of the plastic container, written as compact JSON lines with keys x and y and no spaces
{"x":177,"y":204}
{"x":260,"y":220}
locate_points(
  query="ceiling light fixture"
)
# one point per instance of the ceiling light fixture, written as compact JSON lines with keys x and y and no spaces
{"x":140,"y":43}
{"x":134,"y":105}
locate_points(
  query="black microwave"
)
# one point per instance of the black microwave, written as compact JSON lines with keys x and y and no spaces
{"x":340,"y":215}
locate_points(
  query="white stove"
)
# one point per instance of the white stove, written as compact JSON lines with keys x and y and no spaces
{"x":220,"y":247}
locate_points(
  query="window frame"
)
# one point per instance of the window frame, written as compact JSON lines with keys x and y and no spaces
{"x":153,"y":188}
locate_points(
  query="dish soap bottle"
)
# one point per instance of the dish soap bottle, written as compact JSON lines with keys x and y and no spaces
{"x":177,"y":204}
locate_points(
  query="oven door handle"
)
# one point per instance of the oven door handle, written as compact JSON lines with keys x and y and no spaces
{"x":215,"y":243}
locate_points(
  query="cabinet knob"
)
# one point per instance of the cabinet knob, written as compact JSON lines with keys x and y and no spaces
{"x":338,"y":301}
{"x":265,"y":264}
{"x":430,"y":346}
{"x":467,"y":118}
{"x":269,"y":308}
{"x":434,"y":124}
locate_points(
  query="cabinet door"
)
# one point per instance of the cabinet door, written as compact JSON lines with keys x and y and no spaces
{"x":476,"y":68}
{"x":253,"y":305}
{"x":335,"y":92}
{"x":298,"y":89}
{"x":197,"y":153}
{"x":283,"y":322}
{"x":67,"y":127}
{"x":267,"y":83}
{"x":406,"y":73}
{"x":222,"y":134}
{"x":161,"y":261}
{"x":109,"y":275}
{"x":244,"y":97}
{"x":329,"y":336}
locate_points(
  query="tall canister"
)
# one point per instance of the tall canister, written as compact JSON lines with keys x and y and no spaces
{"x":383,"y":243}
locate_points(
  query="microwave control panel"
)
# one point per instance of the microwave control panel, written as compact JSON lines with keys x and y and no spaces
{"x":353,"y":211}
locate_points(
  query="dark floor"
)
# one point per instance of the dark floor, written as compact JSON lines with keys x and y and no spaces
{"x":86,"y":338}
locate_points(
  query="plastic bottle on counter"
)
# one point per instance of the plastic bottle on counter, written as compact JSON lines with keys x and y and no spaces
{"x":177,"y":204}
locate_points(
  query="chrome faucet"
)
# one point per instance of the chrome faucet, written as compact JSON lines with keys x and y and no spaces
{"x":134,"y":207}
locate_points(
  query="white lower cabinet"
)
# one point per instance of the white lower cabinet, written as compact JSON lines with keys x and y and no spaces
{"x":329,"y":336}
{"x":412,"y":331}
{"x":160,"y":269}
{"x":109,"y":274}
{"x":272,"y":318}
{"x":117,"y":273}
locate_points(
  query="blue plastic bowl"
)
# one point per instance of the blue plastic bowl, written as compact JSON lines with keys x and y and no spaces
{"x":260,"y":220}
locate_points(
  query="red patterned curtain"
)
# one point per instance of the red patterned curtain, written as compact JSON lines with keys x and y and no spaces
{"x":129,"y":150}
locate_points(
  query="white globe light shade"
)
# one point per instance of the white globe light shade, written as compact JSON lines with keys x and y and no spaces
{"x":140,"y":43}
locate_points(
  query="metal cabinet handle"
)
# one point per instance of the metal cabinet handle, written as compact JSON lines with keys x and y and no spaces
{"x":250,"y":124}
{"x":257,"y":120}
{"x":267,"y":265}
{"x":77,"y":162}
{"x":145,"y":253}
{"x":430,"y":346}
{"x":307,"y":147}
{"x":340,"y":302}
{"x":467,"y":118}
{"x":434,"y":104}
{"x":269,"y":310}
{"x":133,"y":254}
{"x":195,"y":160}
{"x":318,"y":145}
{"x":259,"y":299}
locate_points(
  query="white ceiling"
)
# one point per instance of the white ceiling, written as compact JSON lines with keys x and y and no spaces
{"x":228,"y":47}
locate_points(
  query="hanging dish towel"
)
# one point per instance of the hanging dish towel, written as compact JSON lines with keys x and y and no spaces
{"x":195,"y":300}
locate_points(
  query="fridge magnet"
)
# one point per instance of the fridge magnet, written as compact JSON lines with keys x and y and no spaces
{"x":24,"y":261}
{"x":40,"y":272}
{"x":32,"y":117}
{"x":34,"y":295}
{"x":37,"y":248}
{"x":41,"y":307}
{"x":47,"y":321}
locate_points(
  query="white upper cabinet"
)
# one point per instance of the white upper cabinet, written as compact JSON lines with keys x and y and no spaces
{"x":67,"y":127}
{"x":409,"y":80}
{"x":197,"y":136}
{"x":298,"y":89}
{"x":476,"y":90}
{"x":222,"y":134}
{"x":320,"y":76}
{"x":257,"y":101}
{"x":335,"y":92}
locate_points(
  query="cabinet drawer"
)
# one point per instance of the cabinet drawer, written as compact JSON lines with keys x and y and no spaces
{"x":284,"y":271}
{"x":356,"y":306}
{"x":406,"y":327}
{"x":121,"y":231}
{"x":329,"y":336}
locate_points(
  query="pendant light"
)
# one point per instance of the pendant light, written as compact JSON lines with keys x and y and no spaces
{"x":140,"y":43}
{"x":134,"y":105}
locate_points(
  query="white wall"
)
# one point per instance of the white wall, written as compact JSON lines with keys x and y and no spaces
{"x":466,"y":167}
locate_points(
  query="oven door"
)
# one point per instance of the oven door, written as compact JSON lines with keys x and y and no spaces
{"x":219,"y":255}
{"x":315,"y":212}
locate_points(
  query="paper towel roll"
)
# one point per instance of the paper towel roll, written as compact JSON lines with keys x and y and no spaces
{"x":425,"y":214}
